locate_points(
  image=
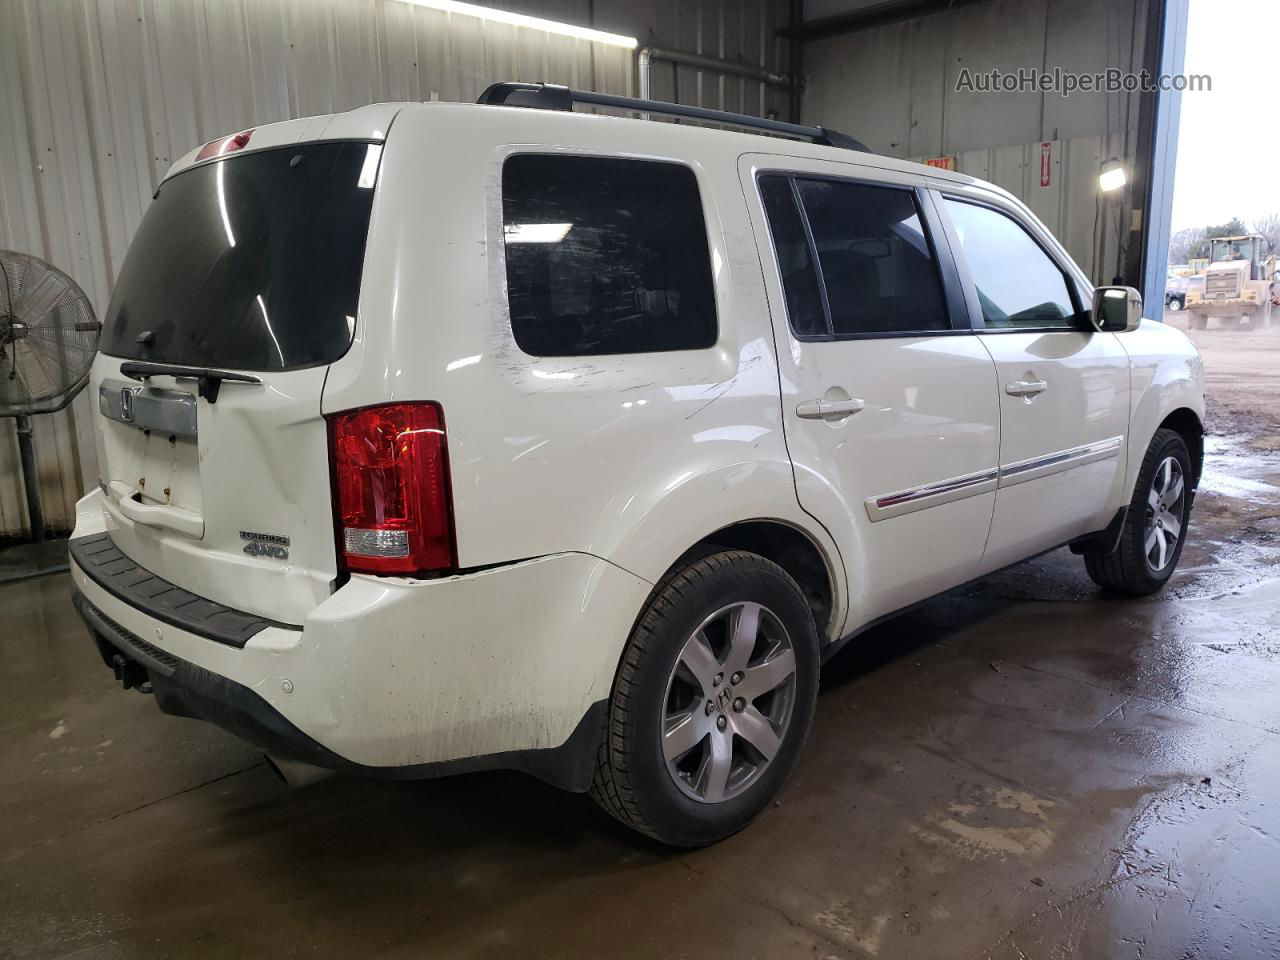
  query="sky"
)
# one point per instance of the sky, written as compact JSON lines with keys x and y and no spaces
{"x":1229,"y":145}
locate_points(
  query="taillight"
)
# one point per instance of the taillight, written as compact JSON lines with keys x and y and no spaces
{"x":391,"y":489}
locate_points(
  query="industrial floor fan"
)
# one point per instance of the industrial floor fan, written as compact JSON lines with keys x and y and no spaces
{"x":48,"y":337}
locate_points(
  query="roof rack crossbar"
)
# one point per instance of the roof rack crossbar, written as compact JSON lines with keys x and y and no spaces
{"x":550,"y":96}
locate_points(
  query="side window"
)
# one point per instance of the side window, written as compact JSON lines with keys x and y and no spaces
{"x":605,"y":256}
{"x":878,"y":268}
{"x":799,"y":279}
{"x":1018,"y":284}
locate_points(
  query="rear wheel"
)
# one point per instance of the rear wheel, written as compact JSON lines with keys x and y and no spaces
{"x":712,"y":701}
{"x":1156,"y":524}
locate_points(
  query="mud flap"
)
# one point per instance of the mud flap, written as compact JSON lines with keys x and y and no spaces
{"x":1104,"y":542}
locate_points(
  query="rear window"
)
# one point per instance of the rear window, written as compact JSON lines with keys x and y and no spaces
{"x":252,"y":262}
{"x":795,"y":259}
{"x":605,"y":256}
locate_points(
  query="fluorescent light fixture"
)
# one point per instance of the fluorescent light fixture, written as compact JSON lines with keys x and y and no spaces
{"x":1112,"y":177}
{"x":267,"y":320}
{"x":533,"y":23}
{"x":369,"y":171}
{"x":463,"y":362}
{"x":222,"y":202}
{"x":536,"y":232}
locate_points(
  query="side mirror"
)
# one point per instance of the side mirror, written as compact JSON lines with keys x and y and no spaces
{"x":1116,"y":309}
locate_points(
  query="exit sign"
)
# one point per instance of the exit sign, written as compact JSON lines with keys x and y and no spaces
{"x":942,"y":163}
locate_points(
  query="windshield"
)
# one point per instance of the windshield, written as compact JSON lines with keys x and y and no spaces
{"x":1232,"y":250}
{"x":252,"y":262}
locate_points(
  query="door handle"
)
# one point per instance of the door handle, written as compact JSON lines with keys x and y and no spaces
{"x":1025,"y":388}
{"x":829,"y":410}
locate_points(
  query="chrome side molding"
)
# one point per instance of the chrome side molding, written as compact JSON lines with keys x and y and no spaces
{"x":1036,"y":467}
{"x":931,"y":495}
{"x":972,"y":484}
{"x":169,"y":412}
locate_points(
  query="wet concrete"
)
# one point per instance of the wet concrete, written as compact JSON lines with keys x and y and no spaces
{"x":1025,"y":768}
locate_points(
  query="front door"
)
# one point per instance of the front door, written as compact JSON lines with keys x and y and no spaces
{"x":1063,"y":388}
{"x":889,"y":410}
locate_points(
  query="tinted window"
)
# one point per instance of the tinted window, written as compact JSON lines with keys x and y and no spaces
{"x":605,"y":256}
{"x":876,"y":262}
{"x":799,"y":279}
{"x":1018,"y":285}
{"x":252,"y":262}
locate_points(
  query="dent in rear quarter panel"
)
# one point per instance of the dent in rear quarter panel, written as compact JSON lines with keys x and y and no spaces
{"x":1166,"y":374}
{"x":631,"y":458}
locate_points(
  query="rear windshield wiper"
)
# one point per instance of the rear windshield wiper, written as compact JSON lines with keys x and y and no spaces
{"x":208,"y":381}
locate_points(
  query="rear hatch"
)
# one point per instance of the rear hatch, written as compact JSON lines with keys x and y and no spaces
{"x":239,"y":289}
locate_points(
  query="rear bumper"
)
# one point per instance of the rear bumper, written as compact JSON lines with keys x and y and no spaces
{"x":186,"y":690}
{"x":508,"y":668}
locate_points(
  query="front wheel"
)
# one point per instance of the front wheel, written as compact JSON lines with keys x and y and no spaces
{"x":712,"y":701}
{"x":1155,"y":527}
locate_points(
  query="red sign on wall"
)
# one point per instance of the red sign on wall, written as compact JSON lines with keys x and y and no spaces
{"x":942,"y":163}
{"x":1046,"y":163}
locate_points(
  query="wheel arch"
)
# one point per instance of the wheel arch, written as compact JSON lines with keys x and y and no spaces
{"x":1167,"y":383}
{"x":1186,"y":423}
{"x":815,"y":566}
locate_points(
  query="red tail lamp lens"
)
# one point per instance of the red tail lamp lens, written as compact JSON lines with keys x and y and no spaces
{"x":391,"y":473}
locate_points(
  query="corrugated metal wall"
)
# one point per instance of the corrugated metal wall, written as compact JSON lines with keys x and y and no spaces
{"x":99,"y":96}
{"x":895,"y":88}
{"x":1069,"y":204}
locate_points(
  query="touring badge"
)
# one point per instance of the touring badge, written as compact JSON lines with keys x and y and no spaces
{"x":265,"y":545}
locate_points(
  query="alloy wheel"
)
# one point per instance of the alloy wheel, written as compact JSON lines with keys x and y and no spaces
{"x":728,"y":702}
{"x":1165,"y":510}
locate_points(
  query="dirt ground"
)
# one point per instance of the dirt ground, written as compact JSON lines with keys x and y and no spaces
{"x":1240,"y":491}
{"x":1023,"y":769}
{"x":1242,"y":374}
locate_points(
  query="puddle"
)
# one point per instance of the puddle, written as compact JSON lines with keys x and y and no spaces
{"x":1232,"y":469}
{"x":1199,"y":867}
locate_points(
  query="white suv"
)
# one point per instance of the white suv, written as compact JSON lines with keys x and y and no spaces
{"x":443,"y":437}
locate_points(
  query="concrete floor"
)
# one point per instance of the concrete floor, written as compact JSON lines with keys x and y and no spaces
{"x":1022,"y":769}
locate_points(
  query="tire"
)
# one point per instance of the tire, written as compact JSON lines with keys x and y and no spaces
{"x":1141,"y":565}
{"x":681,"y":681}
{"x":1174,"y":303}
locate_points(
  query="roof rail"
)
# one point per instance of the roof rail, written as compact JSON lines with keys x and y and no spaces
{"x":551,"y":96}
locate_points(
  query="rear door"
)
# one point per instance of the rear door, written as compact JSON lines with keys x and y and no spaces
{"x":888,"y":399}
{"x":239,"y":289}
{"x":1063,"y":386}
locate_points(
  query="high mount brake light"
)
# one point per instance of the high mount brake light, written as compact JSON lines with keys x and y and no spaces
{"x":391,"y":489}
{"x":216,"y":148}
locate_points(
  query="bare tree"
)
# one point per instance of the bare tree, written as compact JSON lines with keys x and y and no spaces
{"x":1187,"y":243}
{"x":1269,"y":227}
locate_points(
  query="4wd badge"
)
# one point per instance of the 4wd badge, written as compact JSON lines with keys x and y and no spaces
{"x":265,"y":544}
